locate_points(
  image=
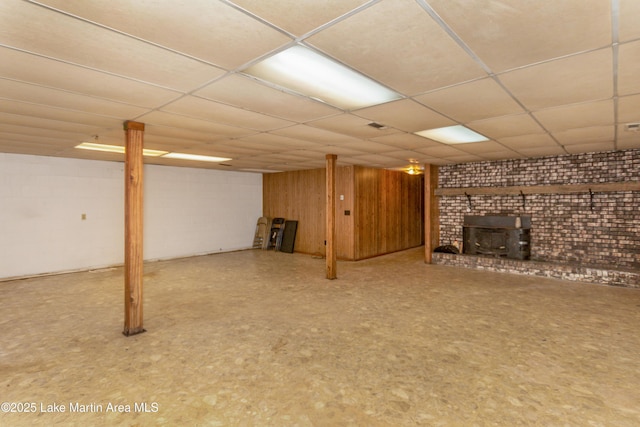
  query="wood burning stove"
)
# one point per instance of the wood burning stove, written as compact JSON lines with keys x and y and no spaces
{"x":497,"y":235}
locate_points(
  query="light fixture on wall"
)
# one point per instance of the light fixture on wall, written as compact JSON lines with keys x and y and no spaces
{"x":310,"y":73}
{"x":95,"y":146}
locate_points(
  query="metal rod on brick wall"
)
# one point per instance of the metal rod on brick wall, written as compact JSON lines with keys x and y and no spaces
{"x":468,"y":201}
{"x":524,"y":207}
{"x":591,"y":199}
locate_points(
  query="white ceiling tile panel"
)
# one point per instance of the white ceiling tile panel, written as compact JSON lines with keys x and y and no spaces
{"x":476,"y":100}
{"x":31,"y":68}
{"x":525,"y":141}
{"x":216,"y":130}
{"x":40,"y":95}
{"x":399,"y":44}
{"x":208,"y":110}
{"x":505,"y":126}
{"x":63,"y":37}
{"x":314,"y":135}
{"x":589,"y":147}
{"x":44,"y":112}
{"x":629,"y":68}
{"x":244,"y":92}
{"x":507,"y":34}
{"x":577,"y":115}
{"x":200,"y":28}
{"x":351,"y":125}
{"x":629,"y":109}
{"x":629,"y":18}
{"x":406,"y":115}
{"x":407,"y":141}
{"x":299,"y":17}
{"x":585,"y":135}
{"x":578,"y":78}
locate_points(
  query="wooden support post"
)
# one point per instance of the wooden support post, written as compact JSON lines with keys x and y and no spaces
{"x":133,"y":223}
{"x":431,"y":212}
{"x":331,"y":216}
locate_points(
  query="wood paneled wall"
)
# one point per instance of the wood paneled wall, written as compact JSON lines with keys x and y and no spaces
{"x":389,"y":211}
{"x":378,"y":211}
{"x":298,"y":195}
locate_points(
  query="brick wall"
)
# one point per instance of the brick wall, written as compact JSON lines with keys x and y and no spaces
{"x":564,"y":227}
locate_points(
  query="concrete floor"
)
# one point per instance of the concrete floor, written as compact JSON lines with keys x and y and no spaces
{"x":259,"y":338}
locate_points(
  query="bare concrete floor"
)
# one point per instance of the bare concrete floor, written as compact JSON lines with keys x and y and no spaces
{"x":259,"y":338}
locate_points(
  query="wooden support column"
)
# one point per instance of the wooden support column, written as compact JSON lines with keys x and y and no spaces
{"x":133,"y":223}
{"x":431,"y":212}
{"x":331,"y":249}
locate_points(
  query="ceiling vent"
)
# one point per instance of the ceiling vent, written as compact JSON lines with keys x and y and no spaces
{"x":632,"y":127}
{"x":377,"y":125}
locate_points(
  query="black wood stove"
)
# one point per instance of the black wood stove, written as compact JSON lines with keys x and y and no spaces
{"x":497,"y":235}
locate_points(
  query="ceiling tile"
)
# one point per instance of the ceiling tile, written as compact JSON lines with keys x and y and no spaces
{"x":298,"y":17}
{"x":44,"y":112}
{"x":378,"y":160}
{"x":39,"y":95}
{"x":471,"y":101}
{"x":30,"y":68}
{"x":406,"y":115}
{"x":313,"y":134}
{"x":338,"y":149}
{"x":480,"y":148}
{"x":279,"y":142}
{"x":577,"y":115}
{"x":441,"y":151}
{"x":628,"y":143}
{"x":400,"y":45}
{"x":212,"y":130}
{"x":501,"y":155}
{"x":349,"y":124}
{"x":578,"y":78}
{"x":586,"y":135}
{"x":208,"y":30}
{"x":500,"y":127}
{"x":370,"y":146}
{"x":47,"y":124}
{"x":542,"y":151}
{"x":629,"y":17}
{"x":589,"y":148}
{"x":405,"y":141}
{"x":214,"y":111}
{"x":524,"y":141}
{"x":99,"y":48}
{"x":247,"y":93}
{"x":629,"y":68}
{"x":506,"y":34}
{"x":629,"y":109}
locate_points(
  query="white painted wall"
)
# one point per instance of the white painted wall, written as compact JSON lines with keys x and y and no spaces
{"x":187,"y":212}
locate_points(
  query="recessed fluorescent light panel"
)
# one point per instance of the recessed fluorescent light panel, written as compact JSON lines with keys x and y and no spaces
{"x":151,"y":153}
{"x":307,"y":72}
{"x":117,"y":149}
{"x":453,"y":135}
{"x":197,"y":157}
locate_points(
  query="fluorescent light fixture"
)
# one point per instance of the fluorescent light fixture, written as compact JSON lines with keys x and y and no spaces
{"x":306,"y":71}
{"x":117,"y":149}
{"x":151,"y":153}
{"x":453,"y":135}
{"x":197,"y":157}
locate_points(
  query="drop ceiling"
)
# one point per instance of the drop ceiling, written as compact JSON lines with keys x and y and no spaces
{"x":537,"y":78}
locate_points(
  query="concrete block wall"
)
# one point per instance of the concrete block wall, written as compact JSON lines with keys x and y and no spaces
{"x":564,"y":227}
